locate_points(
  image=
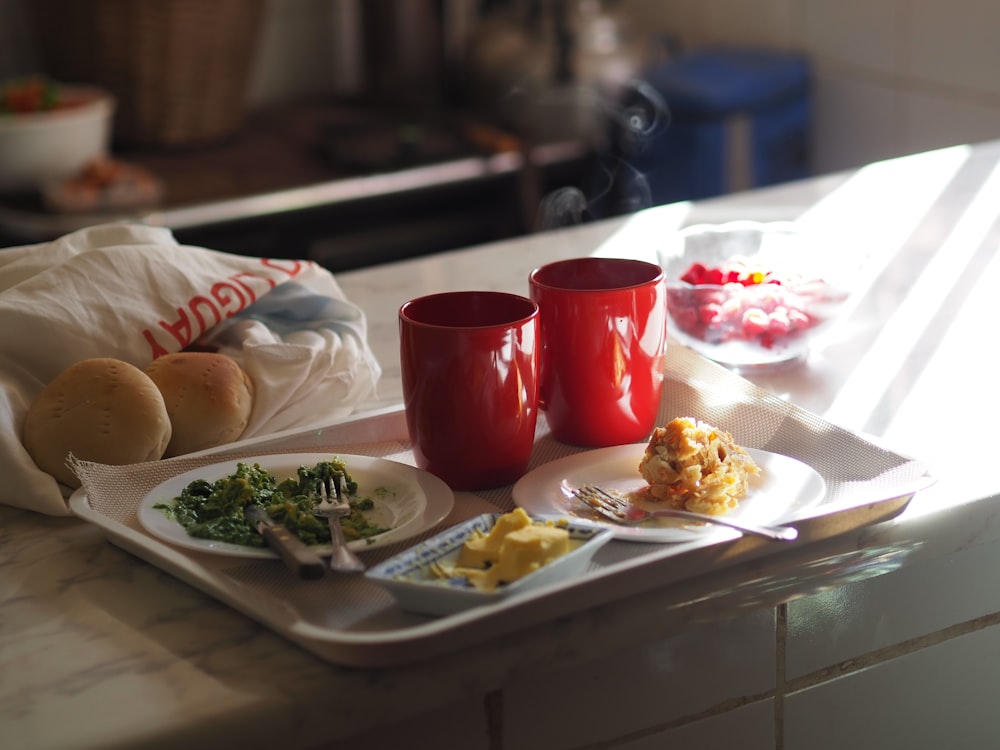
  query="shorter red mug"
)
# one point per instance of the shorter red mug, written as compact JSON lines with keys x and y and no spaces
{"x":470,"y":385}
{"x":603,"y":324}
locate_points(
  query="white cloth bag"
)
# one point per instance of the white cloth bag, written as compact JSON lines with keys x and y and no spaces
{"x":133,"y":293}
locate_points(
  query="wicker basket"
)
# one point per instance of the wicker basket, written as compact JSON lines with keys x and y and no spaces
{"x":179,"y":68}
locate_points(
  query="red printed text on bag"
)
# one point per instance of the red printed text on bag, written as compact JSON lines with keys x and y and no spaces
{"x":220,"y":300}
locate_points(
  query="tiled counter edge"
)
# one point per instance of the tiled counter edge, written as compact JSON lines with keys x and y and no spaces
{"x":754,"y":664}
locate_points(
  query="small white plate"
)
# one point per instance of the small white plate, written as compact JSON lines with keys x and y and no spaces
{"x":409,"y":578}
{"x":783,"y":490}
{"x":407,"y":500}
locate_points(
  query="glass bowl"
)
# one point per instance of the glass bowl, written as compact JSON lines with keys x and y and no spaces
{"x":750,"y":295}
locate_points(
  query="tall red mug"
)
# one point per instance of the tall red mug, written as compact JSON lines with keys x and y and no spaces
{"x":604,"y":326}
{"x":470,"y":385}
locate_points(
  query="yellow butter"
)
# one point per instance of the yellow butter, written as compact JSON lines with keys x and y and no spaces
{"x":526,"y":550}
{"x":515,"y":547}
{"x":481,"y":549}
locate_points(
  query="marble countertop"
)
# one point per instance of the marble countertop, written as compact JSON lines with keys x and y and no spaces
{"x":100,"y":649}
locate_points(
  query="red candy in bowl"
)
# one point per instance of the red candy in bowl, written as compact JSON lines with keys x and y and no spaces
{"x":749,"y":294}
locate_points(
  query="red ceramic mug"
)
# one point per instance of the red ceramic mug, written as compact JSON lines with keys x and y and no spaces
{"x":470,"y":385}
{"x":603,"y":323}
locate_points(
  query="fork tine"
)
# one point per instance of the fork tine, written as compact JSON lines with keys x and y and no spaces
{"x":614,"y":500}
{"x":617,"y":508}
{"x":605,"y":498}
{"x":599,"y":500}
{"x":342,"y":558}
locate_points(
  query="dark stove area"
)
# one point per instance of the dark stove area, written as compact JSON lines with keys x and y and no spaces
{"x":345,"y":184}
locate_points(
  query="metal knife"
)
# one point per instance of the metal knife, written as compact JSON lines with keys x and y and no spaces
{"x":297,"y":556}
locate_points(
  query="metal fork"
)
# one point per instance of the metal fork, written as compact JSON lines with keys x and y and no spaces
{"x":619,"y":510}
{"x":333,"y":509}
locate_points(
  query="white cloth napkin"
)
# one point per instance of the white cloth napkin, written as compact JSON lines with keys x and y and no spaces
{"x":134,"y":293}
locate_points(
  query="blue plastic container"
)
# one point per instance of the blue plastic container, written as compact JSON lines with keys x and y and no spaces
{"x":739,"y":118}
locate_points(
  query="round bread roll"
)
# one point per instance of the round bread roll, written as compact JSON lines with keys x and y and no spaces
{"x":101,"y":409}
{"x":209,"y":398}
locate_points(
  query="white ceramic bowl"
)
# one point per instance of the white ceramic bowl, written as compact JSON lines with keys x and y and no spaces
{"x":36,"y":147}
{"x":408,"y":575}
{"x":780,"y":289}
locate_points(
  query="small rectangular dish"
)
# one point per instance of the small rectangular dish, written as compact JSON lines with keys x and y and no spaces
{"x":414,"y":577}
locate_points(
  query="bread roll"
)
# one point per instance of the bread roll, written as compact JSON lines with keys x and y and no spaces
{"x":208,"y":396}
{"x":103,"y":410}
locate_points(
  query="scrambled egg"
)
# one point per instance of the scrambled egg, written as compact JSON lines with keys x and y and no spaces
{"x":696,"y":467}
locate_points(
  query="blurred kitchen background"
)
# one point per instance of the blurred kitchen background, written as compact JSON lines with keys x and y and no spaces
{"x":356,"y":132}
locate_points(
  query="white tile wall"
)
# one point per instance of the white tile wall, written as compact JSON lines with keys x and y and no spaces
{"x":763,"y":22}
{"x":590,"y":706}
{"x":954,"y":45}
{"x":460,"y":725}
{"x":857,"y":34}
{"x":941,"y":697}
{"x":933,"y":121}
{"x":855,"y":120}
{"x":851,"y":620}
{"x":750,"y":727}
{"x":893,"y":76}
{"x":647,"y":687}
{"x":688,"y":20}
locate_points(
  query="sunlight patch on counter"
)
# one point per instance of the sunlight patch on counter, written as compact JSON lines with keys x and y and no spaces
{"x":901,"y":333}
{"x":872,"y":215}
{"x":947,"y":395}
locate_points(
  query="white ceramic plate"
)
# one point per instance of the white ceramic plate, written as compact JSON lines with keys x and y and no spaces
{"x":783,"y":490}
{"x":407,"y":500}
{"x":408,"y":575}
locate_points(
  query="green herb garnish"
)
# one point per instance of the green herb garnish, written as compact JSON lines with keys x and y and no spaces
{"x":214,"y":510}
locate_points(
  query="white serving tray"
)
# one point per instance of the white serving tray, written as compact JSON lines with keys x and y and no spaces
{"x":354,"y":622}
